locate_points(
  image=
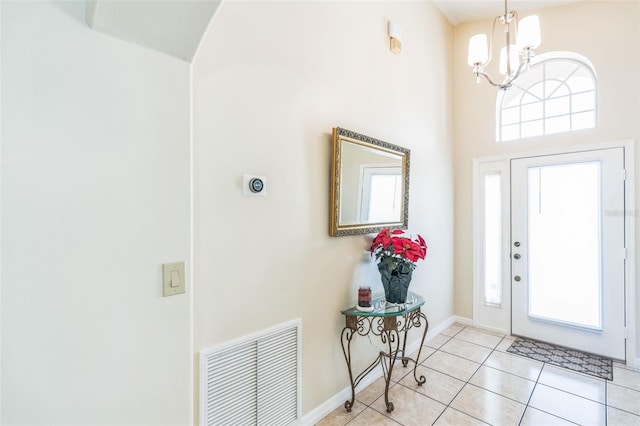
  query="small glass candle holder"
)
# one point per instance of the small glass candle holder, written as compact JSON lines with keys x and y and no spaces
{"x":364,"y":297}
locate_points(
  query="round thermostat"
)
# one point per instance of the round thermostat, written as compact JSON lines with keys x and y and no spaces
{"x":256,"y":185}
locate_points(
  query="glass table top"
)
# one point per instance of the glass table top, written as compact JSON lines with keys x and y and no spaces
{"x":383,"y":309}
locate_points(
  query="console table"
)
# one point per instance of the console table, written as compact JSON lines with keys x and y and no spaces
{"x":391,"y":322}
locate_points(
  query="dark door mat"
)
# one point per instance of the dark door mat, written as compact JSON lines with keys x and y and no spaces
{"x":571,"y":359}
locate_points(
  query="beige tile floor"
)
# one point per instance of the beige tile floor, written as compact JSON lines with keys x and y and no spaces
{"x":472,"y":380}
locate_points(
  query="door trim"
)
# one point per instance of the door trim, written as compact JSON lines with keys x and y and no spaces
{"x":494,"y":317}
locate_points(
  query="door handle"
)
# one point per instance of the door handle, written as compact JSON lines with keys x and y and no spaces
{"x":516,"y":256}
{"x":517,"y":278}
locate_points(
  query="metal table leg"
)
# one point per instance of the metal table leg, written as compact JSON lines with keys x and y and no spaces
{"x":415,"y":319}
{"x":347,"y":333}
{"x":390,"y":335}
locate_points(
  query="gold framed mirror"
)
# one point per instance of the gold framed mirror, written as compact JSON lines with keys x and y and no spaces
{"x":369,"y":184}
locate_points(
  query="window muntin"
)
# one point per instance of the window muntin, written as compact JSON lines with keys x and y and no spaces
{"x":558,"y":94}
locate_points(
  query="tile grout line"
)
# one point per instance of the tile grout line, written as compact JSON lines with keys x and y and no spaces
{"x":448,"y":405}
{"x":481,"y":364}
{"x":606,"y":400}
{"x":622,"y":386}
{"x":537,"y":381}
{"x":497,"y":369}
{"x":535,"y":384}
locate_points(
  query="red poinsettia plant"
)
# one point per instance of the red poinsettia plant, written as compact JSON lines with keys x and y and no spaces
{"x":394,"y":251}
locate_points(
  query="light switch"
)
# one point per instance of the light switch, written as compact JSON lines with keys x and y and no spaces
{"x":173,"y":279}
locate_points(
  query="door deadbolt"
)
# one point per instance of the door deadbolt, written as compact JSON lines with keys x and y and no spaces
{"x":516,"y":256}
{"x":517,"y":278}
{"x":517,"y":244}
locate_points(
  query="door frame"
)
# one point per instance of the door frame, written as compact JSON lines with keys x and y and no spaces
{"x":499,"y":317}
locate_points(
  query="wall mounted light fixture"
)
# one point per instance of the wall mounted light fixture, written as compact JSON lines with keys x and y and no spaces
{"x":395,"y":36}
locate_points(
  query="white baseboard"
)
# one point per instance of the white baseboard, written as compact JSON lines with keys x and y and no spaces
{"x":322,"y":410}
{"x":338,"y":400}
{"x":493,"y":329}
{"x":461,"y":320}
{"x":470,"y":322}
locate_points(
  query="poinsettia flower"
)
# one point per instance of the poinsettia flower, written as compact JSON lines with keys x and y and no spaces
{"x":382,"y":239}
{"x":423,"y":247}
{"x":421,"y":242}
{"x":395,"y":251}
{"x":382,"y":234}
{"x":413,"y":251}
{"x":398,"y":245}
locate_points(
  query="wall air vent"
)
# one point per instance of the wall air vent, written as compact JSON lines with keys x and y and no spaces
{"x":254,"y":380}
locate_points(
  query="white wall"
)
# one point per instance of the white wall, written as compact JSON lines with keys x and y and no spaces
{"x":95,"y":197}
{"x":605,"y":32}
{"x":271,"y":79}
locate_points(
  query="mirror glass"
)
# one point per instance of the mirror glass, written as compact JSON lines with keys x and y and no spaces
{"x":370,"y":184}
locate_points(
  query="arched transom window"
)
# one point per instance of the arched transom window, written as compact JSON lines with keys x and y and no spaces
{"x":557,"y":94}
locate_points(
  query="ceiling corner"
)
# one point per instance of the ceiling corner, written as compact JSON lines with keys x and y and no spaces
{"x":175,"y":27}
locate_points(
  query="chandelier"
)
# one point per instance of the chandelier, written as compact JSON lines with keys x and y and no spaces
{"x":521,"y":38}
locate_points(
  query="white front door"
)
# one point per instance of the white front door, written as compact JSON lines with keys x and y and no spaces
{"x":567,"y":250}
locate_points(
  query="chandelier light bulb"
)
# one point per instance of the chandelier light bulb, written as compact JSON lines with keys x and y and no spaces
{"x":514,"y":59}
{"x":529,"y":32}
{"x":478,"y":51}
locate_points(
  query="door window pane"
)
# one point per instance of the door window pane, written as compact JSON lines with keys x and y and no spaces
{"x":492,"y":239}
{"x":564,"y":244}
